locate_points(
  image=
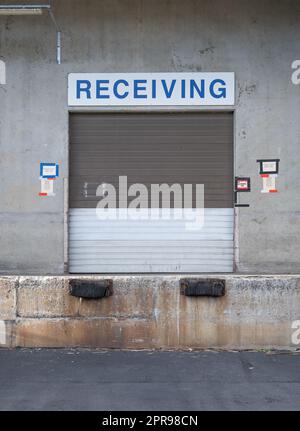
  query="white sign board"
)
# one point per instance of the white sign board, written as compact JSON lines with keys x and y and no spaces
{"x":269,"y":166}
{"x":151,"y":89}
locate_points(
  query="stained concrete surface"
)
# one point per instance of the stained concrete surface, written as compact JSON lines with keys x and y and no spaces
{"x":148,"y":380}
{"x":258,"y":40}
{"x":148,"y":312}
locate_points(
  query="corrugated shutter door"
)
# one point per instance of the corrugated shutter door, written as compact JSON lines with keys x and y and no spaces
{"x":150,"y":149}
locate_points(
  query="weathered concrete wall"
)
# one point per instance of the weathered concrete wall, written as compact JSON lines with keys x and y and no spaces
{"x":258,"y":40}
{"x":149,"y":312}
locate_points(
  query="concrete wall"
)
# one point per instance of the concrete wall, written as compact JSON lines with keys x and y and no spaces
{"x":258,"y":40}
{"x":149,"y":312}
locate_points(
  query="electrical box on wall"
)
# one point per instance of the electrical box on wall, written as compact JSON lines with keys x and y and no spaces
{"x":242,"y":184}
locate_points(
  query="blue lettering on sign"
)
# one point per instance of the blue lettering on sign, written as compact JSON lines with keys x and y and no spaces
{"x":168,"y":91}
{"x":200,"y":91}
{"x":222,"y":90}
{"x":100,"y":88}
{"x":116,"y":91}
{"x":152,"y":89}
{"x":137,"y":87}
{"x":183,"y":89}
{"x":83,"y":86}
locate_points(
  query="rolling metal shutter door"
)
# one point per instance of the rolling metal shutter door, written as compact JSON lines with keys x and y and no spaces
{"x":194,"y":148}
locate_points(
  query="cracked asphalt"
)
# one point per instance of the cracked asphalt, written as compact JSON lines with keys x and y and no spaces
{"x":109,"y":380}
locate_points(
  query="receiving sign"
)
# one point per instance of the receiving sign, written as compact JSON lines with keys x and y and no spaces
{"x":150,"y":89}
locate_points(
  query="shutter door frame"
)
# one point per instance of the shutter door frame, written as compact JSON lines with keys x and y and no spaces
{"x":74,"y":264}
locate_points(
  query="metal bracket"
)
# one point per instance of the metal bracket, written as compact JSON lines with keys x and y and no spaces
{"x":241,"y":205}
{"x":58,"y":34}
{"x":236,"y":205}
{"x":236,"y":192}
{"x":29,"y":9}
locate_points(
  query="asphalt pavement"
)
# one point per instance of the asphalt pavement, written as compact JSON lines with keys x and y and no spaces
{"x":104,"y":380}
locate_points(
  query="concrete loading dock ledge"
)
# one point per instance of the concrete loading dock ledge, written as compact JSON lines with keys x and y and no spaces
{"x":147,"y":312}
